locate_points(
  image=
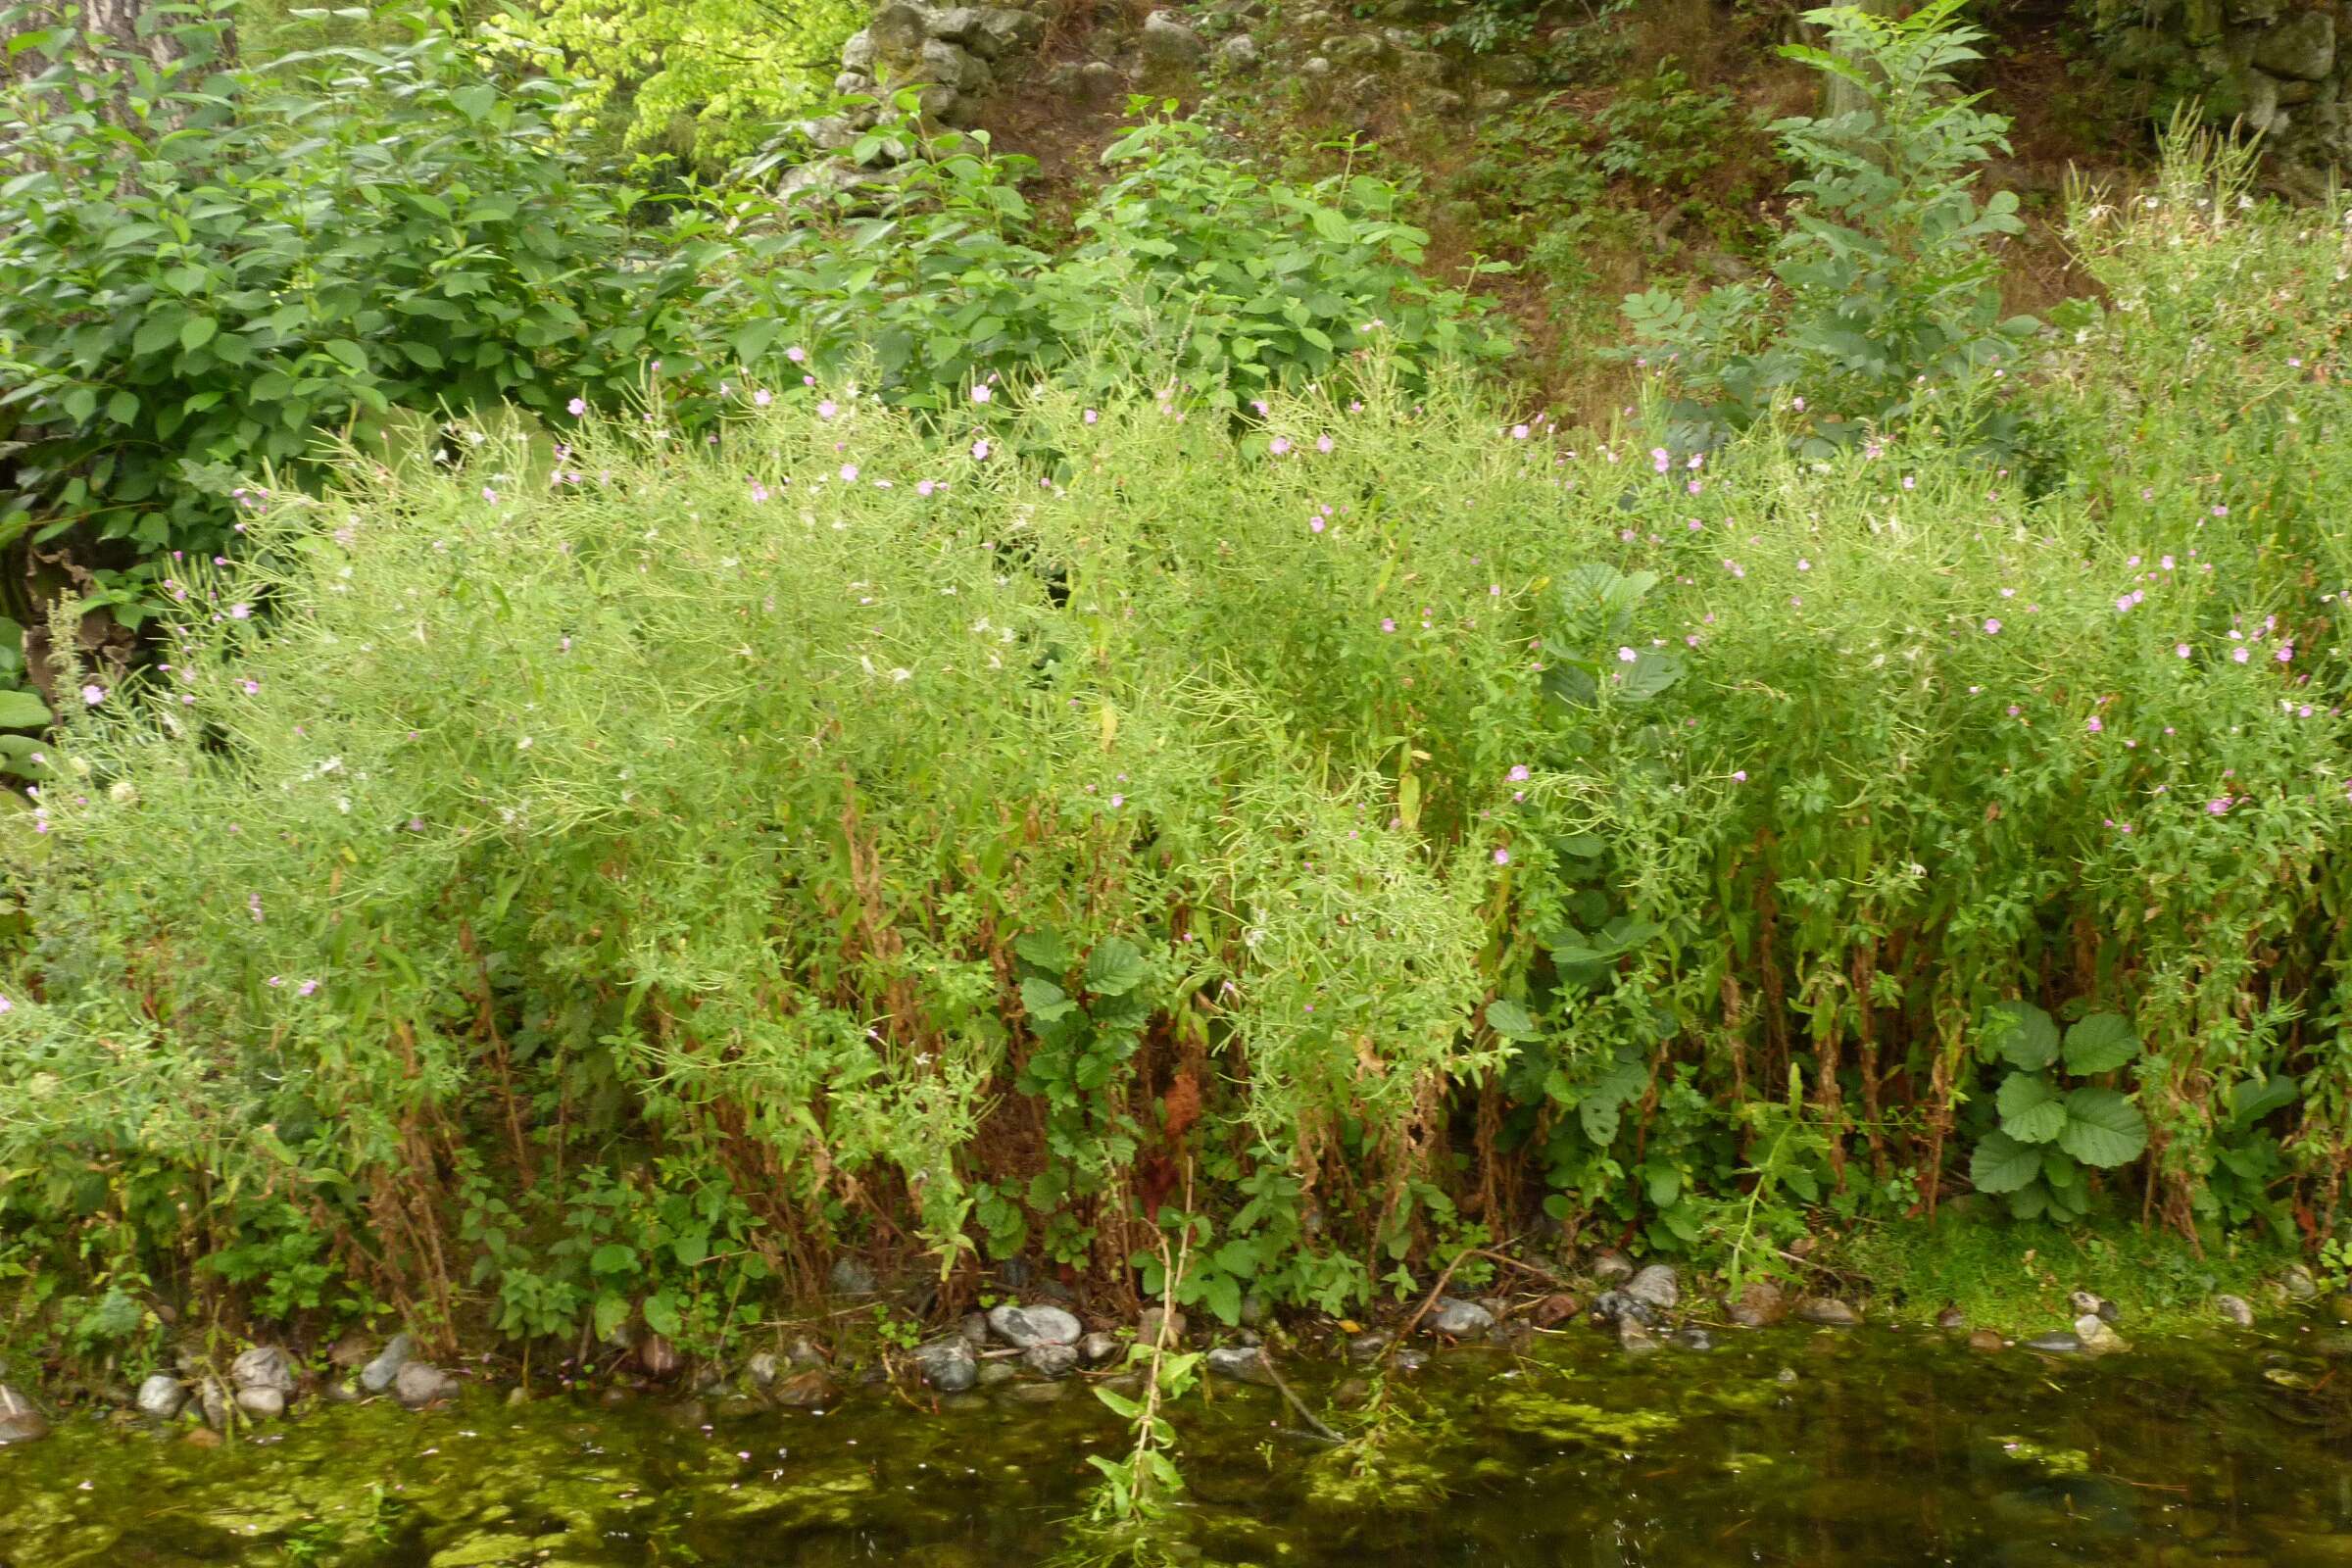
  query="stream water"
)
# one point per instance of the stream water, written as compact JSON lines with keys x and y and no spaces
{"x":1820,"y":1448}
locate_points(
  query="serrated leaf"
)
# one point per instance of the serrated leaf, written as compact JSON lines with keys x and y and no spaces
{"x":1511,"y":1021}
{"x":1114,"y":969}
{"x":661,"y":1313}
{"x":1045,"y":948}
{"x":2002,"y":1164}
{"x":2028,"y":1038}
{"x":2103,"y":1128}
{"x":1045,"y":1002}
{"x":2100,"y":1043}
{"x":2031,"y":1110}
{"x":1651,"y":672}
{"x":1598,"y":1117}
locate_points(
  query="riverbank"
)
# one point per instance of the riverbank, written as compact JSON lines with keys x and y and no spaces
{"x":1877,"y":1445}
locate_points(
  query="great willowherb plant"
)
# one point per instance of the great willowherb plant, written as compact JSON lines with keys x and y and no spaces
{"x":937,"y":836}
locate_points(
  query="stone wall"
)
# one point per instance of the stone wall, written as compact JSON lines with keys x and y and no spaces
{"x":2277,"y":66}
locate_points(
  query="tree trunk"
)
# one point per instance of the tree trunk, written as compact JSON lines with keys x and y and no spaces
{"x":1843,"y":96}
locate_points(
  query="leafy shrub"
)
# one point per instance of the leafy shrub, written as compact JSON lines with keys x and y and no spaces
{"x":240,"y":264}
{"x":1888,"y":307}
{"x":1228,"y":285}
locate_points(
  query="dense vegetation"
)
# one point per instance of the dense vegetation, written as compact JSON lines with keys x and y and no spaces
{"x":629,"y":757}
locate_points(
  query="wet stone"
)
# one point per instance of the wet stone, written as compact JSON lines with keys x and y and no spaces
{"x":1098,"y":1347}
{"x":762,"y":1369}
{"x":1049,"y":1360}
{"x":1364,"y":1347}
{"x":1655,"y":1286}
{"x":262,"y":1403}
{"x":1408,"y":1361}
{"x":948,"y":1366}
{"x":1147,"y":1326}
{"x":1025,"y":1326}
{"x":995,"y":1373}
{"x":1951,"y":1320}
{"x":1760,"y":1305}
{"x":1694,"y":1339}
{"x":1987,"y":1341}
{"x":2055,"y":1345}
{"x":657,"y":1357}
{"x":1457,"y":1319}
{"x":1828,"y":1311}
{"x":974,"y":1329}
{"x":2087,"y":1304}
{"x":265,"y":1366}
{"x":807,"y":1390}
{"x":2234,"y":1310}
{"x":1242,"y":1363}
{"x":420,"y":1382}
{"x":1037,"y":1393}
{"x":1615,"y":1308}
{"x":853,"y":1276}
{"x":1611,"y":1267}
{"x":20,"y":1422}
{"x":162,"y":1396}
{"x":377,"y":1375}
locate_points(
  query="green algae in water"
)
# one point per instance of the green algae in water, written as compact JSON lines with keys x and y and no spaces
{"x":1869,"y":1449}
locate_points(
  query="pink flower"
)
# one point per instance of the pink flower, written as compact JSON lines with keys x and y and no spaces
{"x":1323,"y":443}
{"x":763,"y":397}
{"x":796,"y":354}
{"x":1091,"y":415}
{"x":1386,"y":623}
{"x":981,"y":394}
{"x":2181,"y":649}
{"x":1625,"y":656}
{"x":849,"y":472}
{"x":1993,"y":629}
{"x":577,"y":407}
{"x":1279,"y":445}
{"x":827,"y":409}
{"x":2240,"y":654}
{"x":1502,"y":856}
{"x":2214,"y":807}
{"x":924,"y":487}
{"x":1738,"y":775}
{"x":980,"y":449}
{"x":2095,"y":726}
{"x":1519,"y":432}
{"x":1518,"y":774}
{"x":489,"y":494}
{"x":93,"y":695}
{"x":2286,"y":651}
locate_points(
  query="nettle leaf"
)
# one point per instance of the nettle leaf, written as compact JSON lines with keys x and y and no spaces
{"x":2103,"y":1128}
{"x":2002,"y":1164}
{"x":1512,"y":1020}
{"x":1045,"y":1002}
{"x":1114,"y":969}
{"x":2031,"y":1110}
{"x":2100,"y":1043}
{"x":1651,"y":674}
{"x":2028,"y":1037}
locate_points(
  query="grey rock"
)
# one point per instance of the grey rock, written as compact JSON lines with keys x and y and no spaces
{"x":1316,"y":66}
{"x":947,"y":66}
{"x":1828,"y":1311}
{"x":1253,"y":1309}
{"x":1098,"y":1347}
{"x":857,"y":54}
{"x":1694,"y":1339}
{"x":2298,"y":1284}
{"x":1424,"y":68}
{"x":162,"y":1396}
{"x":1037,"y":1393}
{"x":853,"y":84}
{"x":974,"y":1328}
{"x":851,"y":1276}
{"x":1951,"y":1320}
{"x":2241,"y":12}
{"x":2235,"y":1309}
{"x":1457,"y":1319}
{"x":2096,"y":1336}
{"x":657,"y":1357}
{"x":1238,"y":53}
{"x":1025,"y":1326}
{"x":420,"y":1382}
{"x":1365,"y":1347}
{"x":1409,"y":1360}
{"x":994,"y":32}
{"x":1242,"y":1363}
{"x":992,"y":1373}
{"x":948,"y":1365}
{"x":1014,"y":1273}
{"x":2088,"y":1303}
{"x":265,"y":1366}
{"x":1439,"y":101}
{"x":898,"y":32}
{"x":1655,"y":1285}
{"x":1510,"y":71}
{"x":1099,"y":81}
{"x":2261,"y":108}
{"x":377,"y":1375}
{"x":1610,"y":1267}
{"x":1051,"y":1360}
{"x":1636,"y":1336}
{"x":20,"y":1422}
{"x":2055,"y":1345}
{"x":1168,"y":45}
{"x":260,"y":1402}
{"x":1363,"y":51}
{"x":1614,"y":1308}
{"x":762,"y":1369}
{"x":2301,"y":46}
{"x":213,"y":1399}
{"x":1492,"y":100}
{"x":803,"y":1351}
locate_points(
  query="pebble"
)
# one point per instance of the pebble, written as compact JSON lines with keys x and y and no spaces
{"x":1457,"y":1319}
{"x":2087,"y":1304}
{"x":1408,"y":1361}
{"x":853,"y":1276}
{"x":162,"y":1396}
{"x":2097,"y":1338}
{"x":1760,"y":1305}
{"x":807,"y":1390}
{"x":948,"y":1365}
{"x":1610,"y":1267}
{"x":2055,"y":1345}
{"x":993,"y":1373}
{"x":761,"y":1368}
{"x":420,"y":1382}
{"x":974,"y":1328}
{"x":2234,"y":1310}
{"x":377,"y":1375}
{"x":1147,"y":1327}
{"x":1655,"y":1286}
{"x":262,"y":1402}
{"x":1050,"y":1360}
{"x":1242,"y":1364}
{"x":1694,"y":1339}
{"x":1951,"y":1320}
{"x":658,"y":1357}
{"x":1025,"y":1326}
{"x":1828,"y":1311}
{"x":265,"y":1366}
{"x":1098,"y":1347}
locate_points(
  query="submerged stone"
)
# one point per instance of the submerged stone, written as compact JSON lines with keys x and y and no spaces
{"x":2055,"y":1345}
{"x":1457,"y":1319}
{"x":948,"y":1366}
{"x":1828,"y":1312}
{"x":1242,"y":1363}
{"x":20,"y":1422}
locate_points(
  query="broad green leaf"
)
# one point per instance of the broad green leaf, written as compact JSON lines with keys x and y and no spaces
{"x":22,"y":711}
{"x":2103,"y":1128}
{"x":613,"y":1258}
{"x":1511,"y":1021}
{"x":1045,"y":948}
{"x":1045,"y":1002}
{"x":1114,"y":969}
{"x":2002,"y":1164}
{"x":2031,"y":1110}
{"x":197,"y":331}
{"x":661,"y":1313}
{"x":475,"y":102}
{"x":2026,"y":1035}
{"x":2257,"y":1098}
{"x":2100,"y":1043}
